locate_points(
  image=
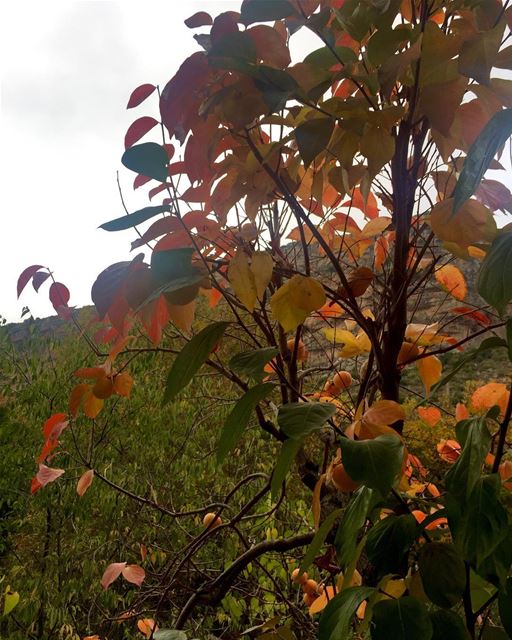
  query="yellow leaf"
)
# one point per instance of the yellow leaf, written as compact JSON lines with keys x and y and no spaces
{"x":430,"y":369}
{"x":452,"y":280}
{"x":473,"y":223}
{"x":350,"y":347}
{"x":425,"y":334}
{"x":242,"y":280}
{"x":261,"y":267}
{"x":249,"y":281}
{"x":393,"y":588}
{"x":295,"y":300}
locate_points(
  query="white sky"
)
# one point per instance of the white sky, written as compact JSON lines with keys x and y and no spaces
{"x":67,"y":70}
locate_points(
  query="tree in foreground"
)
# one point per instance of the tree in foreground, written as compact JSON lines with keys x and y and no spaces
{"x":313,"y":206}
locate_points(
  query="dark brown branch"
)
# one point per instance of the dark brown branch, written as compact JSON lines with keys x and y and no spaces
{"x":212,"y":593}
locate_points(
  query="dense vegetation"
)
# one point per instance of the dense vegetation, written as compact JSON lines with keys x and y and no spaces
{"x":285,"y":369}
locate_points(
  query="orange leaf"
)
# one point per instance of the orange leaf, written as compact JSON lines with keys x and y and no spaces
{"x":85,"y":482}
{"x":430,"y":369}
{"x":383,"y":412}
{"x":448,"y":450}
{"x":490,"y":395}
{"x":430,"y":415}
{"x":452,"y":280}
{"x":123,"y":384}
{"x":93,"y":373}
{"x":461,"y":412}
{"x":92,"y":404}
{"x":330,"y":310}
{"x":146,"y":626}
{"x":76,"y":397}
{"x":321,"y":602}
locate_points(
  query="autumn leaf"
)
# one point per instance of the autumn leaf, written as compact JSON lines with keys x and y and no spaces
{"x":134,"y":574}
{"x":430,"y":415}
{"x":473,"y":223}
{"x":85,"y":482}
{"x":249,"y":281}
{"x":452,"y":280}
{"x":429,"y":369}
{"x":44,"y":476}
{"x":123,"y":383}
{"x":490,"y":395}
{"x":449,"y":450}
{"x":295,"y":300}
{"x":111,"y":573}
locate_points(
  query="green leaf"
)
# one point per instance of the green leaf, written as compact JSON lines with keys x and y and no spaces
{"x":172,"y":264}
{"x":509,"y":338}
{"x":170,"y":634}
{"x":337,"y":615}
{"x":480,"y":590}
{"x":443,"y":573}
{"x":289,"y":450}
{"x":237,"y":44}
{"x":495,"y":276}
{"x":448,"y":625}
{"x":134,"y":219}
{"x":496,"y":567}
{"x":299,"y":419}
{"x":353,"y":519}
{"x":251,"y":363}
{"x":402,"y":619}
{"x":313,"y":137}
{"x":319,"y":539}
{"x":239,"y":417}
{"x":171,"y":287}
{"x":493,"y":136}
{"x":265,"y":10}
{"x":388,"y":544}
{"x":505,"y":607}
{"x":149,"y":159}
{"x":462,"y":476}
{"x":326,"y":57}
{"x":484,"y":522}
{"x":384,"y":42}
{"x":191,"y":358}
{"x":11,"y":599}
{"x":375,"y":463}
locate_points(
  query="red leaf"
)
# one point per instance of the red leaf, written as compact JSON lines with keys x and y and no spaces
{"x":140,"y":94}
{"x":199,"y":19}
{"x":156,"y":190}
{"x":170,"y":150}
{"x":26,"y":275}
{"x":49,"y":446}
{"x":45,"y":475}
{"x":59,"y":295}
{"x":50,"y":426}
{"x":134,"y":574}
{"x":140,"y":180}
{"x":112,"y":572}
{"x":138,"y":129}
{"x":478,"y":316}
{"x":39,"y":278}
{"x":85,"y":482}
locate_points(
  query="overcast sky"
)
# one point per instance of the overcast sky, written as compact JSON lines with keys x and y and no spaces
{"x":67,"y":70}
